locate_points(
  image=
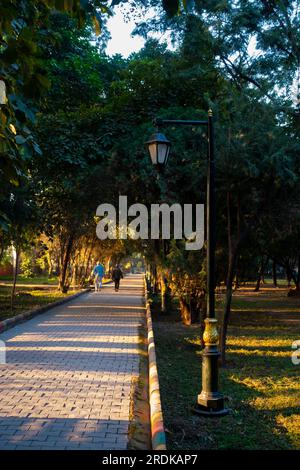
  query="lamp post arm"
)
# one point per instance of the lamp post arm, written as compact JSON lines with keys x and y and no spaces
{"x":178,"y":122}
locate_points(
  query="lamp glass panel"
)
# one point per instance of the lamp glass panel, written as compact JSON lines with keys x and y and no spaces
{"x":162,"y":153}
{"x":167,"y":155}
{"x":153,"y":152}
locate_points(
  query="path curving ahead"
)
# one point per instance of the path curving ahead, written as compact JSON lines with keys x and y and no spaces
{"x":67,"y":380}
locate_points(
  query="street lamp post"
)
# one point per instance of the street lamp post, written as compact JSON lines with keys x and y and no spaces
{"x":159,"y":149}
{"x":210,"y":401}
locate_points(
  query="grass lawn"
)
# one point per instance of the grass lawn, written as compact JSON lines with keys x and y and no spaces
{"x":260,"y":383}
{"x":30,"y":280}
{"x":30,"y":293}
{"x":27,"y":299}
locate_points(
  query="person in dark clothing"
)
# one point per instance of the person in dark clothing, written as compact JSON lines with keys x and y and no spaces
{"x":117,"y":275}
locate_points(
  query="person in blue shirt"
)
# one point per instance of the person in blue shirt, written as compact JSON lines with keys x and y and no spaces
{"x":98,"y":272}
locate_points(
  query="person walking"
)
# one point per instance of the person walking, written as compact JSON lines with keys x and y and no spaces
{"x":98,"y":273}
{"x":117,"y":275}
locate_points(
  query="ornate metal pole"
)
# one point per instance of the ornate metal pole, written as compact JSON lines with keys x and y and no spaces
{"x":210,"y":401}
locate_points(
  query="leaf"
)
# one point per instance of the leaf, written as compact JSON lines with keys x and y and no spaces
{"x":19,"y":105}
{"x":3,"y":98}
{"x":4,"y":222}
{"x":13,"y":129}
{"x":20,"y":139}
{"x":14,"y":182}
{"x":37,"y":148}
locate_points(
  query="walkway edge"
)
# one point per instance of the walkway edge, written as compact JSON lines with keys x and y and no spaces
{"x":158,"y":436}
{"x":22,"y":317}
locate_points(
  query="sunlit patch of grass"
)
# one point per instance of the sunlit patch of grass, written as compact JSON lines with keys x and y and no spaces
{"x":255,"y":342}
{"x":257,"y":352}
{"x":291,"y":423}
{"x":53,"y":294}
{"x":276,"y":400}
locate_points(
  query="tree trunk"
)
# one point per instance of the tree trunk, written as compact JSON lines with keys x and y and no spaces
{"x":236,"y":281}
{"x":154,"y":281}
{"x":274,"y":271}
{"x":261,"y":271}
{"x":258,"y":281}
{"x":231,"y":270}
{"x":165,"y":293}
{"x":202,"y":319}
{"x":188,"y":311}
{"x":87,"y":268}
{"x":63,"y":284}
{"x":1,"y":249}
{"x":298,"y":274}
{"x":15,"y":275}
{"x":80,"y":268}
{"x":75,"y":273}
{"x":107,"y":265}
{"x":185,"y":312}
{"x":50,"y":264}
{"x":227,"y":308}
{"x":294,"y":277}
{"x":288,"y":273}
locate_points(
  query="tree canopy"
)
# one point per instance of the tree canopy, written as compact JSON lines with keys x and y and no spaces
{"x":74,"y":122}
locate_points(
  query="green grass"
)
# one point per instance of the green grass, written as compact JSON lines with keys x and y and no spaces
{"x":31,"y":280}
{"x":27,"y":299}
{"x":280,"y":282}
{"x":32,"y":295}
{"x":260,"y":383}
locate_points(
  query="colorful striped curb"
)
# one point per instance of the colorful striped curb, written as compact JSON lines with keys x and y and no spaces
{"x":158,"y":436}
{"x":11,"y":322}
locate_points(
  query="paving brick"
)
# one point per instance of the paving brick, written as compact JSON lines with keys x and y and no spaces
{"x":69,"y":373}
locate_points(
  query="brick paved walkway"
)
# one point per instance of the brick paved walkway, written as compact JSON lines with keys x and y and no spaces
{"x":68,"y":378}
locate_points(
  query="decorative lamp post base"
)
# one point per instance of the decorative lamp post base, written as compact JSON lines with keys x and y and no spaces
{"x":209,"y":413}
{"x":210,"y":401}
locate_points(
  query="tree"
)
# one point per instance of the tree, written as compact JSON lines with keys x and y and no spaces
{"x":24,"y":31}
{"x":256,"y":123}
{"x":188,"y":281}
{"x":24,"y":226}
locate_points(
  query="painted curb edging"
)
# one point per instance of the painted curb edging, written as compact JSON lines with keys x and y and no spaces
{"x":22,"y":317}
{"x":158,"y":437}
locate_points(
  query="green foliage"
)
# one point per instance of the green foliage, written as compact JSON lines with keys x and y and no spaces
{"x":24,"y":32}
{"x":26,"y":265}
{"x":187,"y":280}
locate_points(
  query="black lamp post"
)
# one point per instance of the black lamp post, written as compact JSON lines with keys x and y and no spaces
{"x":210,"y":402}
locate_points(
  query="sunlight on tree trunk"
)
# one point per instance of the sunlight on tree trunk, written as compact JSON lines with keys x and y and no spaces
{"x":16,"y":257}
